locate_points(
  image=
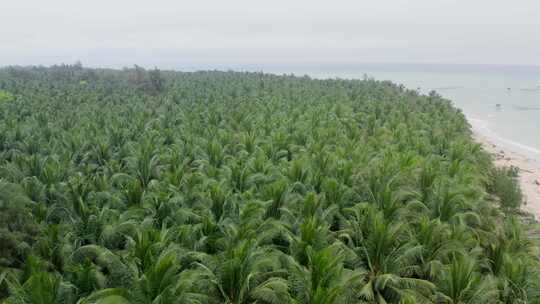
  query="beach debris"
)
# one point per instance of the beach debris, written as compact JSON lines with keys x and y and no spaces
{"x":536,"y":182}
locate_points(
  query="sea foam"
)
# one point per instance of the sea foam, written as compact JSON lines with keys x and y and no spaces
{"x":482,"y":127}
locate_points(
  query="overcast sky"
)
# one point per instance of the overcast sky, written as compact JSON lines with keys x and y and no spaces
{"x":161,"y":33}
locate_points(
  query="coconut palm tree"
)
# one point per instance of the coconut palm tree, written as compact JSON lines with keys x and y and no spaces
{"x":324,"y":279}
{"x":387,"y":253}
{"x":245,"y":273}
{"x":461,"y":282}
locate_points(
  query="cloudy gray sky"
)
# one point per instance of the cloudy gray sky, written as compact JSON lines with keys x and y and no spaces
{"x":232,"y":32}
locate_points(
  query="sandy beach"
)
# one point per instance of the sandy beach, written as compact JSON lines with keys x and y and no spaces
{"x":529,"y":169}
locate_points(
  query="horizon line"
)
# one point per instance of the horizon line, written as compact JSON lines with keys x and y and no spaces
{"x":171,"y":66}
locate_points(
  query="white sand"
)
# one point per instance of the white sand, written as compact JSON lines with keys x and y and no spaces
{"x":529,"y":169}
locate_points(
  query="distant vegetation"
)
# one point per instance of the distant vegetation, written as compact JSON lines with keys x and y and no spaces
{"x":148,"y":186}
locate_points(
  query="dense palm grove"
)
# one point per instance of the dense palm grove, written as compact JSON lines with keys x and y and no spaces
{"x":140,"y":186}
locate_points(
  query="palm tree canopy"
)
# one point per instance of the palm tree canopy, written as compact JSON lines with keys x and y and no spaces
{"x":136,"y":186}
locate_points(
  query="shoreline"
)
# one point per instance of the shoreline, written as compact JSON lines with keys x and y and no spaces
{"x":529,"y":169}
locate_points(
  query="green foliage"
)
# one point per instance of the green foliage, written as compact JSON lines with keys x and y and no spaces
{"x":505,"y":186}
{"x":5,"y":96}
{"x":462,"y":283}
{"x":17,"y":227}
{"x":139,"y":186}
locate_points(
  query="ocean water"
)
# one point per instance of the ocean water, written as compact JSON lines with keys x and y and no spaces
{"x":500,"y":102}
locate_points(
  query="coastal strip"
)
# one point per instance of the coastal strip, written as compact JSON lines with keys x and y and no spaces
{"x":529,"y":168}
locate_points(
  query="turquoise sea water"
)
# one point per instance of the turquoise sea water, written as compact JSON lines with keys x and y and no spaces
{"x":477,"y":90}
